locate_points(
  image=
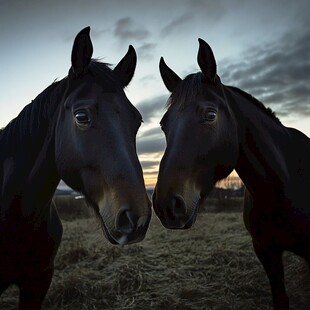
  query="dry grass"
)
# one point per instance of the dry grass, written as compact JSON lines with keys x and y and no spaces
{"x":211,"y":266}
{"x":71,"y":207}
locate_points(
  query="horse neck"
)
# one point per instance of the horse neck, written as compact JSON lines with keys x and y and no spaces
{"x":41,"y":182}
{"x":263,"y":143}
{"x":29,"y":174}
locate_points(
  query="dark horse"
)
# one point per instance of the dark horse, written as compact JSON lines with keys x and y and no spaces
{"x":212,"y":129}
{"x":81,"y":129}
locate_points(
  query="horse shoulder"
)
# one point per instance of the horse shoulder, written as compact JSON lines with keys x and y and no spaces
{"x":300,"y":172}
{"x":300,"y":145}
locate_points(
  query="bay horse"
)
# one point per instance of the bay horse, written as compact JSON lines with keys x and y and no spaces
{"x":211,"y":129}
{"x":81,"y":129}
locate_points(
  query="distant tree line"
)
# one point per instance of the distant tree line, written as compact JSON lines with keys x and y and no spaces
{"x":226,"y":193}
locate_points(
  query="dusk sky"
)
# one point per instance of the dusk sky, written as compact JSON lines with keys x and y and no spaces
{"x":262,"y":47}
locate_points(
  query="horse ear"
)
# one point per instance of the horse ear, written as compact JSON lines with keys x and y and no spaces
{"x":170,"y":78}
{"x":82,"y":52}
{"x":206,"y":60}
{"x":125,"y":69}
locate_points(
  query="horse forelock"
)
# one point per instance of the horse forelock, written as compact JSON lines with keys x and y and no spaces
{"x":186,"y":90}
{"x":105,"y":75}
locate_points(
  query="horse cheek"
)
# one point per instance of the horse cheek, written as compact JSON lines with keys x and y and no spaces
{"x":66,"y":153}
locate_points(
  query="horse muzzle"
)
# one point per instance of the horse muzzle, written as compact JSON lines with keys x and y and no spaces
{"x":126,"y":226}
{"x":174,"y":213}
{"x":130,"y":228}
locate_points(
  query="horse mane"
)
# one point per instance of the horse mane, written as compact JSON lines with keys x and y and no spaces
{"x":31,"y":124}
{"x":256,"y":102}
{"x":188,"y":89}
{"x":28,"y":127}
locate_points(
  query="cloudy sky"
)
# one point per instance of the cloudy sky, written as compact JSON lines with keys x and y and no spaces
{"x":262,"y":47}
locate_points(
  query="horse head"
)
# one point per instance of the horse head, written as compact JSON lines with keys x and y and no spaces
{"x":95,"y":145}
{"x":201,"y":137}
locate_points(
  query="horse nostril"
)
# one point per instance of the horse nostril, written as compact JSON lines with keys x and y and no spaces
{"x":126,"y":221}
{"x":178,"y":206}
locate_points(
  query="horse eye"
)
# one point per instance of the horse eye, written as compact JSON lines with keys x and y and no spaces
{"x":82,"y":117}
{"x":209,"y":117}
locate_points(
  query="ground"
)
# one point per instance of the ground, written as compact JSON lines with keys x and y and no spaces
{"x":210,"y":266}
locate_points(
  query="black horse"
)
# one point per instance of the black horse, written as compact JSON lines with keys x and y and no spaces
{"x":212,"y":129}
{"x":81,"y":129}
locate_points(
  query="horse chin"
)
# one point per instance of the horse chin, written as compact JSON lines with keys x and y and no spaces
{"x":105,"y":230}
{"x":191,"y":221}
{"x":194,"y":215}
{"x":184,"y":223}
{"x":118,"y":238}
{"x":108,"y":235}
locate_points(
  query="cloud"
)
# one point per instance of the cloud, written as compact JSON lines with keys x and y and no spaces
{"x":152,"y":108}
{"x":277,"y":73}
{"x":146,"y":51}
{"x":97,"y":33}
{"x":151,"y":141}
{"x":212,"y":10}
{"x":94,"y":34}
{"x":175,"y":24}
{"x":125,"y":28}
{"x":153,"y":132}
{"x":195,"y":12}
{"x":150,"y":145}
{"x":147,"y":164}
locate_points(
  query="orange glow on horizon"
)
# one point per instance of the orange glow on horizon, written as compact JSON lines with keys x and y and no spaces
{"x":150,"y":180}
{"x":233,"y":180}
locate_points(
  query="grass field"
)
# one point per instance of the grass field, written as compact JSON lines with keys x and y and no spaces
{"x":210,"y":266}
